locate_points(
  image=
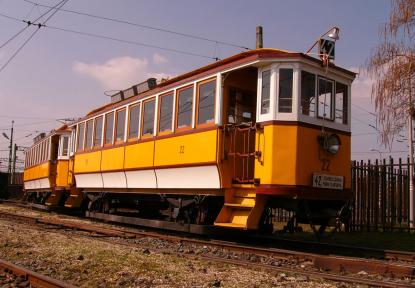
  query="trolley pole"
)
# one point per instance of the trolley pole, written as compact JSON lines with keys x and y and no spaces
{"x":259,"y":37}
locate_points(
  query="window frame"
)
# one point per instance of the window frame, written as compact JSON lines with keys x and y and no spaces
{"x":105,"y":129}
{"x":198,"y":85}
{"x":149,"y":135}
{"x":78,"y":149}
{"x":279,"y":90}
{"x":332,"y":104}
{"x":165,"y":132}
{"x":86,"y":134}
{"x":345,"y":110}
{"x":115,"y":141}
{"x":176,"y":113}
{"x":261,"y":72}
{"x":131,"y":139}
{"x":96,"y":145}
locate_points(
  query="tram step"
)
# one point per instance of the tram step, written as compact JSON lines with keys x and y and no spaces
{"x":75,"y":199}
{"x":54,"y":198}
{"x":242,"y":209}
{"x":240,"y":206}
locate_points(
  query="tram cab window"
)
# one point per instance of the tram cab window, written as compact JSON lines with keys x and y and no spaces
{"x":148,"y":118}
{"x":166,"y":112}
{"x":80,"y":143}
{"x":206,"y":102}
{"x":120,"y":128}
{"x":184,"y":107}
{"x":285,"y":95}
{"x":341,"y":103}
{"x":109,"y":128}
{"x":98,"y":131}
{"x":265,"y":91}
{"x":308,"y":93}
{"x":325,"y":96}
{"x":134,"y":121}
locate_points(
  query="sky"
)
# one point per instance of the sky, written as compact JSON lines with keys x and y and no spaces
{"x":60,"y":74}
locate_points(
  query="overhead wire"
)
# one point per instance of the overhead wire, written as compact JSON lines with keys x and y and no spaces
{"x":60,"y":4}
{"x":119,"y":40}
{"x":20,"y":20}
{"x":143,"y":26}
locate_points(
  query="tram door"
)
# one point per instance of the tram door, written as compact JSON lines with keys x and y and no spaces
{"x":240,"y":126}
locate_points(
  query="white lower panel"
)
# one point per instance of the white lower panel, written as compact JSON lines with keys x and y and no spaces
{"x":204,"y":177}
{"x":114,"y":180}
{"x":141,"y":179}
{"x":29,"y":185}
{"x":92,"y":180}
{"x":44,"y":183}
{"x":36,"y":184}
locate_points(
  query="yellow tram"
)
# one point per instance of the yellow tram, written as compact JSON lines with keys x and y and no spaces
{"x":220,"y":145}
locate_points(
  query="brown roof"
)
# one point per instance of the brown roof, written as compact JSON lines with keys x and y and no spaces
{"x":235,"y":60}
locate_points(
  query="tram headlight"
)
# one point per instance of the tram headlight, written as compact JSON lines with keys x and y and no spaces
{"x":330,"y":143}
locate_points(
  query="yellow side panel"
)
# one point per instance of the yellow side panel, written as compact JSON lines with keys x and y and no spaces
{"x":139,"y":155}
{"x":112,"y":159}
{"x":70,"y":171}
{"x":291,"y":154}
{"x":37,"y":172}
{"x":312,"y":159}
{"x":62,"y":173}
{"x":186,"y":149}
{"x":278,"y":147}
{"x":88,"y":162}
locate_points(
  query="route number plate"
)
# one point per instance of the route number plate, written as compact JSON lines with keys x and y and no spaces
{"x":328,"y":181}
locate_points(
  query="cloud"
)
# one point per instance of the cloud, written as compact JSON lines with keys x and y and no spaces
{"x":159,"y":59}
{"x":362,"y":85}
{"x":118,"y":73}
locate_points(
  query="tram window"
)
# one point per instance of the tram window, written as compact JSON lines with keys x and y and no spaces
{"x":80,"y":137}
{"x":166,"y":112}
{"x":73,"y":133}
{"x":65,"y":142}
{"x":206,"y":102}
{"x":308,"y":93}
{"x":285,"y":96}
{"x":98,"y":131}
{"x":47,"y":151}
{"x":89,"y":134}
{"x":109,"y":127}
{"x":134,"y":121}
{"x":341,"y":103}
{"x":184,"y":107}
{"x":325,"y":96}
{"x":148,"y":118}
{"x":120,"y":129}
{"x":265,"y":92}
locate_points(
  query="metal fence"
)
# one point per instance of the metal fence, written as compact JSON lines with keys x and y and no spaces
{"x":381,"y":196}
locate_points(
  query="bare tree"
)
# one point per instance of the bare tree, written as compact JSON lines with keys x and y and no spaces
{"x":392,"y":68}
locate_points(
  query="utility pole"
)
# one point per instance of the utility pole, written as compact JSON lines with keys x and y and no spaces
{"x":259,"y":37}
{"x":9,"y":167}
{"x":14,"y":163}
{"x":411,"y":157}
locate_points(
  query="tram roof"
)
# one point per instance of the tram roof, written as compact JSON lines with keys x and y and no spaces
{"x":226,"y":63}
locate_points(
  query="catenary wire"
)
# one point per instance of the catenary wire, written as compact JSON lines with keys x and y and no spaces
{"x":20,"y":20}
{"x":144,"y":26}
{"x":31,"y":36}
{"x":118,"y":39}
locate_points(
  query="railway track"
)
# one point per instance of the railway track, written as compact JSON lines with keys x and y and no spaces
{"x":12,"y":275}
{"x":329,"y":267}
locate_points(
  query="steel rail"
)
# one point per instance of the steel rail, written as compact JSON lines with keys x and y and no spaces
{"x":322,"y":262}
{"x":35,"y":279}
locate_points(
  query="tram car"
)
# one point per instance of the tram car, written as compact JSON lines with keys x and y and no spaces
{"x":221,"y":145}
